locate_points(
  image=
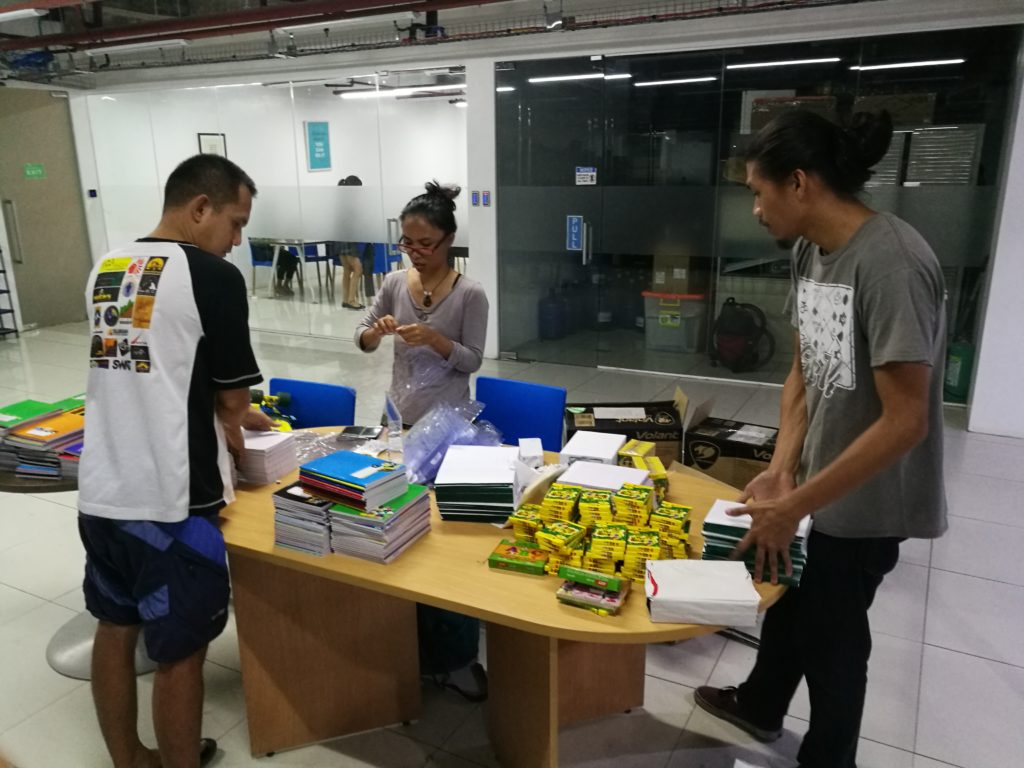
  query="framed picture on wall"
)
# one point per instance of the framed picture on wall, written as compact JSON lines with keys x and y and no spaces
{"x":213,"y":144}
{"x":318,"y":146}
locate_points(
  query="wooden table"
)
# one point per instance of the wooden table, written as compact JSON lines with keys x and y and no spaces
{"x":328,"y":644}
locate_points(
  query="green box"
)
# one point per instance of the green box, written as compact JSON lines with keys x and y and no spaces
{"x":518,"y":557}
{"x":591,"y":578}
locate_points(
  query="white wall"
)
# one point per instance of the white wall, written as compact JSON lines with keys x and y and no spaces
{"x":996,"y":403}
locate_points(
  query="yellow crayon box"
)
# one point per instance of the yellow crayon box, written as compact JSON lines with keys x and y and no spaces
{"x":638,"y":448}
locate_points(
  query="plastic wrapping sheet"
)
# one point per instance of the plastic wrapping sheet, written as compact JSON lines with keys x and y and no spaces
{"x":442,"y":426}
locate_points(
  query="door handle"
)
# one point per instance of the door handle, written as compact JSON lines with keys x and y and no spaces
{"x":588,"y":243}
{"x":13,"y":233}
{"x":583,"y":245}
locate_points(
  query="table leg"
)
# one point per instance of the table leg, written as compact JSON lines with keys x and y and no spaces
{"x":598,"y":679}
{"x":522,"y":698}
{"x":537,"y":684}
{"x":273,"y":270}
{"x":320,"y":659}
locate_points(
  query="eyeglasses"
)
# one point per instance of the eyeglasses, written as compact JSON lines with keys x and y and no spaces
{"x":408,"y":248}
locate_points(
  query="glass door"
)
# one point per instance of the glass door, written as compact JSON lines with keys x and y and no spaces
{"x":552,"y":268}
{"x":607,"y":172}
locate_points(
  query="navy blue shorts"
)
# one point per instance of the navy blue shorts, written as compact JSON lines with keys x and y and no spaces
{"x":172,"y":578}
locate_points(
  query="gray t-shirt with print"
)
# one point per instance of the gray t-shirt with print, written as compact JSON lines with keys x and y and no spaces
{"x":879,"y":299}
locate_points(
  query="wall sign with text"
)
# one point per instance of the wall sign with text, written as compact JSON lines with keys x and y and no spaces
{"x":318,"y":146}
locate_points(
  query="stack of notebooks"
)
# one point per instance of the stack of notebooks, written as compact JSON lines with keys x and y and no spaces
{"x":381,"y":533}
{"x":268,"y":457}
{"x":477,"y":484}
{"x":722,"y":533}
{"x":606,"y":477}
{"x":302,"y":521}
{"x":360,"y":481}
{"x":37,"y":434}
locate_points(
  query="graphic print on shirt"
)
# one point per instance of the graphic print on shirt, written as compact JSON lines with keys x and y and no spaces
{"x":826,"y":335}
{"x":123,"y":296}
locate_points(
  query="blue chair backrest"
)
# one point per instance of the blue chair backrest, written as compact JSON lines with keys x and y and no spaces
{"x":259,"y":250}
{"x":523,"y":409}
{"x":317,"y":405}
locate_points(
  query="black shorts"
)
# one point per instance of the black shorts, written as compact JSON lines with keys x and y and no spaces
{"x":171,"y":578}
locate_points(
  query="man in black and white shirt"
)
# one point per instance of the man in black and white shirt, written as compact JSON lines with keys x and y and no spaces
{"x":171,"y":366}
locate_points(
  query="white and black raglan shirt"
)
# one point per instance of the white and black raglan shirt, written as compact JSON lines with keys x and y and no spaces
{"x":169,"y":328}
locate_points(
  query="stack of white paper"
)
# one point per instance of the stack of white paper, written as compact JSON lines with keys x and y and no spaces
{"x":701,"y":592}
{"x":722,"y":533}
{"x":477,"y":483}
{"x":590,"y":474}
{"x":601,"y":447}
{"x":268,"y":457}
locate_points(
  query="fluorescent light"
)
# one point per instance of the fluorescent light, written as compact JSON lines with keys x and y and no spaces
{"x":504,"y":89}
{"x":618,"y":77}
{"x":147,"y":45}
{"x":906,"y":64}
{"x":562,"y":78}
{"x":675,"y":82}
{"x":461,"y":104}
{"x":787,"y":63}
{"x":375,"y":94}
{"x":21,"y":13}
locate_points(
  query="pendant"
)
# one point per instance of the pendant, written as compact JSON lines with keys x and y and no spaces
{"x":427,"y":301}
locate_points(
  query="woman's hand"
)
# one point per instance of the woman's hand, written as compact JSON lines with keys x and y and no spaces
{"x":417,"y":335}
{"x":385,"y":326}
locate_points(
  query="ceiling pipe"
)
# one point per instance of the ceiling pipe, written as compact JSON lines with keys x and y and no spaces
{"x":219,"y":25}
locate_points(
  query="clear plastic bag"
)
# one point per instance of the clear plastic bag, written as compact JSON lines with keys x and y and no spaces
{"x":442,"y":426}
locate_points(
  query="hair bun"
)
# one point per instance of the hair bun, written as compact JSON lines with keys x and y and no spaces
{"x":871,"y":133}
{"x":446,"y":191}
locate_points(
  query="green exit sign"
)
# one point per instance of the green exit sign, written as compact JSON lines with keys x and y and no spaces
{"x":35,"y":171}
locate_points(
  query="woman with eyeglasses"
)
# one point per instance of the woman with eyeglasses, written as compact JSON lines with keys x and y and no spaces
{"x":437,"y":316}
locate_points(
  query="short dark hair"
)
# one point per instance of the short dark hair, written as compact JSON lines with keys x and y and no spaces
{"x":211,"y":175}
{"x":841,"y":155}
{"x":436,"y":205}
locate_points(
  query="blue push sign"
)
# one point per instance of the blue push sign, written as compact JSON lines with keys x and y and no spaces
{"x":574,"y":233}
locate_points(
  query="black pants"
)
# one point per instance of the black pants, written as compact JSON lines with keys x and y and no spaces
{"x":820,"y":631}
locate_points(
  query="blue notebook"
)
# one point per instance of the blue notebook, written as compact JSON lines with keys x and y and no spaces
{"x":355,"y":470}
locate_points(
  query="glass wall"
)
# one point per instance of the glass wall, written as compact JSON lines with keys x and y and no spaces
{"x":644,"y":150}
{"x":334,"y":159}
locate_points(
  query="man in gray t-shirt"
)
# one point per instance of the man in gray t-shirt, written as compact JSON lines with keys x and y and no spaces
{"x":879,"y":299}
{"x":860,"y":431}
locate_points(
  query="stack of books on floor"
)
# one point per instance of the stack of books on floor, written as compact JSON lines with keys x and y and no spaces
{"x":355,"y":479}
{"x":722,"y":533}
{"x":69,"y":459}
{"x":477,"y":483}
{"x":36,"y":437}
{"x":268,"y":457}
{"x":381,"y":533}
{"x":301,"y":520}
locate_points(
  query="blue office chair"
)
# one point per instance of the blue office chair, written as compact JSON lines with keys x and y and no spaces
{"x":522,"y":409}
{"x":262,"y":256}
{"x":317,"y":405}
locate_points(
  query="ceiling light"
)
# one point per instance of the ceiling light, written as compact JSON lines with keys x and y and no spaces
{"x":461,"y":104}
{"x":906,"y":64}
{"x":147,"y":45}
{"x":618,"y":77}
{"x":383,"y":94}
{"x":788,"y":63}
{"x":21,"y":13}
{"x":504,"y":89}
{"x":675,"y":82}
{"x":562,"y":78}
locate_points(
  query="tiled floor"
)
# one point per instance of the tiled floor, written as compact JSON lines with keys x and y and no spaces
{"x":947,"y":675}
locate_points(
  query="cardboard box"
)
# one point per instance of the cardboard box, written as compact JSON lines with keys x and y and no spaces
{"x":658,"y":423}
{"x":677,"y":273}
{"x":731,"y":451}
